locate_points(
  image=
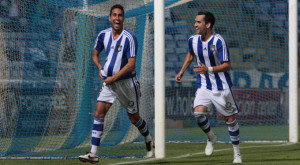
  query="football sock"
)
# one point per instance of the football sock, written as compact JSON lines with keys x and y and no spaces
{"x":203,"y":123}
{"x":96,"y":134}
{"x":234,"y":132}
{"x":143,"y":128}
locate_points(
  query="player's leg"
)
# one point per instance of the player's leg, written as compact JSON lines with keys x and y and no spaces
{"x":129,"y":98}
{"x":226,"y":105}
{"x":97,"y":130}
{"x":234,"y":133}
{"x":203,"y":123}
{"x":201,"y":102}
{"x":104,"y":101}
{"x":142,"y":126}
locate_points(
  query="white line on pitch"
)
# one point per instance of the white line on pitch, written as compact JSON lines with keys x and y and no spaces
{"x":199,"y":153}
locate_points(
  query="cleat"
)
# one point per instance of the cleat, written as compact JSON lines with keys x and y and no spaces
{"x":237,"y":158}
{"x":89,"y":157}
{"x":150,"y":148}
{"x":210,"y":145}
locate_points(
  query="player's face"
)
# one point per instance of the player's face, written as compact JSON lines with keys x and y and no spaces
{"x":117,"y":19}
{"x":200,"y":25}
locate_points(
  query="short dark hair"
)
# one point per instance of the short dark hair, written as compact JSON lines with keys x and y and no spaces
{"x":209,"y":17}
{"x":117,"y":6}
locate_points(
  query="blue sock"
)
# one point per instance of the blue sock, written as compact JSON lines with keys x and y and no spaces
{"x":234,"y":132}
{"x":96,"y":134}
{"x":202,"y":122}
{"x":142,"y":127}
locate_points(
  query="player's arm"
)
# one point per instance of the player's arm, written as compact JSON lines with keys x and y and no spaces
{"x":188,"y":60}
{"x":95,"y":58}
{"x":224,"y":67}
{"x":128,"y":68}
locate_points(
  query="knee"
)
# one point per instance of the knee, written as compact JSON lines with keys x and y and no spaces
{"x":199,"y":115}
{"x":230,"y":119}
{"x":99,"y":114}
{"x":134,"y":118}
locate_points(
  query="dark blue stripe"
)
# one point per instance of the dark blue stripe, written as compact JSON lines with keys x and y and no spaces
{"x":199,"y":80}
{"x":213,"y":63}
{"x":207,"y":130}
{"x":191,"y":49}
{"x":100,"y":38}
{"x":234,"y":101}
{"x":124,"y":55}
{"x":109,"y":44}
{"x":235,"y":142}
{"x":145,"y":133}
{"x":228,"y":79}
{"x":95,"y":141}
{"x":235,"y":133}
{"x":203,"y":123}
{"x":201,"y":58}
{"x":98,"y":127}
{"x":142,"y":125}
{"x":136,"y":94}
{"x":113,"y":60}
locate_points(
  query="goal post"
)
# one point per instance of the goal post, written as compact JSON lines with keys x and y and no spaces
{"x":293,"y":71}
{"x":159,"y":72}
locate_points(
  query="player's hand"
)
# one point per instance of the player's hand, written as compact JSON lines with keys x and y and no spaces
{"x":200,"y":69}
{"x":100,"y":75}
{"x":178,"y":77}
{"x":109,"y":80}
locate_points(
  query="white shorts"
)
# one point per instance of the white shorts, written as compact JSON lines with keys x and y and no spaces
{"x":127,"y":91}
{"x":222,"y":100}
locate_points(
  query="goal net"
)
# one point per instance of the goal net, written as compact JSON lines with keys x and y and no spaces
{"x":49,"y":84}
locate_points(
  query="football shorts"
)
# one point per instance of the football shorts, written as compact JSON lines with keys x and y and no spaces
{"x":127,"y":91}
{"x":222,"y":100}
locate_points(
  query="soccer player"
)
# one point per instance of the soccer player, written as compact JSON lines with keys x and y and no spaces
{"x":214,"y":83}
{"x":119,"y":80}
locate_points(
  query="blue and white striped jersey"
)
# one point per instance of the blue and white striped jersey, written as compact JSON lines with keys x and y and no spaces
{"x":118,"y":51}
{"x":211,"y":53}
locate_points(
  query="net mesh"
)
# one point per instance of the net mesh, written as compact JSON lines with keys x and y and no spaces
{"x":49,"y":84}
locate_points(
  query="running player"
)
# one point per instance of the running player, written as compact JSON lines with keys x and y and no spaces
{"x":214,"y":83}
{"x":119,"y":80}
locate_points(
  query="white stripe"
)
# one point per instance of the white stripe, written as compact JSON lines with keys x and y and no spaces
{"x":201,"y":153}
{"x":131,"y":43}
{"x":118,"y":62}
{"x":96,"y":134}
{"x":221,"y":74}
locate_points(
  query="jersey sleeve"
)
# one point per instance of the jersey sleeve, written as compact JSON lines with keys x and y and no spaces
{"x":191,"y":50}
{"x":131,"y":50}
{"x":99,"y":42}
{"x":223,"y":52}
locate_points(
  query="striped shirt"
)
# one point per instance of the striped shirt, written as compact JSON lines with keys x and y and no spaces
{"x":211,"y":53}
{"x":118,"y":51}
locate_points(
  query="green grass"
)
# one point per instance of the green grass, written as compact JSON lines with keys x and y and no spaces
{"x":253,"y":154}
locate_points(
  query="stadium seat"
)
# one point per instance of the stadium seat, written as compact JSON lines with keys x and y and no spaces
{"x":181,"y":51}
{"x":182,"y":27}
{"x":170,"y":28}
{"x":172,"y":58}
{"x":181,"y":40}
{"x":170,"y":51}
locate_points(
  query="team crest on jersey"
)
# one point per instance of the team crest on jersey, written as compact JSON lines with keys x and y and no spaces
{"x":131,"y":104}
{"x":119,"y":48}
{"x":212,"y":48}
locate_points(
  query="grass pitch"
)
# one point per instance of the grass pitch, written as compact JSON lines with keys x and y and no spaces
{"x":193,"y":153}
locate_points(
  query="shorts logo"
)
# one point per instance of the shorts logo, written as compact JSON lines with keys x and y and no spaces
{"x":228,"y":107}
{"x":212,"y":48}
{"x":131,"y":104}
{"x":119,"y":48}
